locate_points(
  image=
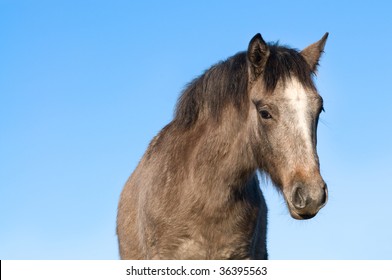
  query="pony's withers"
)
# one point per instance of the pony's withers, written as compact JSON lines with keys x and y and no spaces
{"x":195,"y":193}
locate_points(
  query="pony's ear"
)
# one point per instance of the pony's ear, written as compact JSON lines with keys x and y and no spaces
{"x":313,"y":52}
{"x":258,"y":53}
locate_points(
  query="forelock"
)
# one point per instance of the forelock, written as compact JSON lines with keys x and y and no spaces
{"x":283,"y":64}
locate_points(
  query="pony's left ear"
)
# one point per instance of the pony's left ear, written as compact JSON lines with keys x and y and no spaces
{"x":257,"y":54}
{"x":313,"y":52}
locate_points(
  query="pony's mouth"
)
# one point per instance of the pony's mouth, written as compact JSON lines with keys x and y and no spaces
{"x":298,"y":216}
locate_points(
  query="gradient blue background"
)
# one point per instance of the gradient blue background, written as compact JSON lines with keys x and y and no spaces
{"x":85,"y":85}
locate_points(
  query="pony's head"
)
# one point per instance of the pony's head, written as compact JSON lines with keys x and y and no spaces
{"x":284,"y":112}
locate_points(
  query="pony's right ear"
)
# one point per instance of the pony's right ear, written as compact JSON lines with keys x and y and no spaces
{"x":258,"y":53}
{"x":313,"y":52}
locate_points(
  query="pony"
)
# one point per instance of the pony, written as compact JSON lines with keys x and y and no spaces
{"x":195,"y":193}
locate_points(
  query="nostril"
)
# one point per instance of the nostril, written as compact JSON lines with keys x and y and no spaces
{"x":298,"y":198}
{"x":325,"y":195}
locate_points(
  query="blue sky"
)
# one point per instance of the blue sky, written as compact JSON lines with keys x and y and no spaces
{"x":85,"y":85}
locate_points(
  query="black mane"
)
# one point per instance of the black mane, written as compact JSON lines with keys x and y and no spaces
{"x":227,"y":82}
{"x":284,"y":63}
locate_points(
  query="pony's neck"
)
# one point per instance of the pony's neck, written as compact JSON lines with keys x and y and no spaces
{"x":223,"y":155}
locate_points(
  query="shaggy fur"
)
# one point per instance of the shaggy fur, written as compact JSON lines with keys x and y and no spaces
{"x":195,"y":193}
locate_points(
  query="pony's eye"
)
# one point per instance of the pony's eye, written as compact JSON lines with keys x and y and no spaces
{"x":265,"y":114}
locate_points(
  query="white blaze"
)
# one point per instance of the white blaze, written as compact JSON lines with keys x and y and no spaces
{"x":296,"y":94}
